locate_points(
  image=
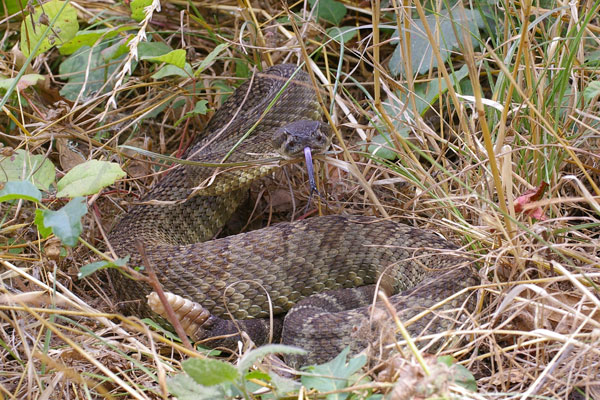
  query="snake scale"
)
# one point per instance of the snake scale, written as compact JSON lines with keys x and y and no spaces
{"x":302,"y":268}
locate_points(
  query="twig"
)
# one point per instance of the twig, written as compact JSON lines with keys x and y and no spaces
{"x":152,"y":279}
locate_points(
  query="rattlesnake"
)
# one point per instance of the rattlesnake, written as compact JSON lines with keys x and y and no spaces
{"x":278,"y":266}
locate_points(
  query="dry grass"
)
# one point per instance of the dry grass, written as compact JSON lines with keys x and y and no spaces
{"x":537,"y":330}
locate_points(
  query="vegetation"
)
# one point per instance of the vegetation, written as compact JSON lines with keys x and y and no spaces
{"x":478,"y":120}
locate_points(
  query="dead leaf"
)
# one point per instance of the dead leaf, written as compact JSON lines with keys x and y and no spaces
{"x":68,"y":154}
{"x":37,"y":298}
{"x":541,"y":309}
{"x":137,"y":168}
{"x":508,"y":377}
{"x":52,"y":249}
{"x":529,"y":197}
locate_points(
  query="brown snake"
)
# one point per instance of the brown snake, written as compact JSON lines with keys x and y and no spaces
{"x":179,"y":217}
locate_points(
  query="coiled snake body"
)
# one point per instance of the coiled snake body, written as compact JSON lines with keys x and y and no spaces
{"x":290,"y":262}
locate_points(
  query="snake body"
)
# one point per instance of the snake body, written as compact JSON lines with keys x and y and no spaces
{"x":278,"y":269}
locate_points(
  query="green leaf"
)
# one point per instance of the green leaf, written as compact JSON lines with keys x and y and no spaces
{"x":382,"y":146}
{"x":23,"y":83}
{"x":33,"y":27}
{"x":463,"y":377}
{"x":148,"y":50}
{"x":458,"y":373}
{"x":20,"y":190}
{"x":446,"y":360}
{"x":184,"y":388}
{"x":93,"y":70}
{"x":335,"y":374}
{"x":199,"y":108}
{"x":591,"y":91}
{"x":89,"y":38}
{"x":89,"y":269}
{"x":426,"y":94}
{"x":116,"y":50}
{"x":253,"y":356}
{"x":343,"y":34}
{"x":9,"y":6}
{"x":39,"y":222}
{"x":22,"y":165}
{"x":209,"y":372}
{"x":210,"y":58}
{"x":66,"y":222}
{"x":330,"y":10}
{"x":242,"y":69}
{"x":175,"y":57}
{"x":88,"y":178}
{"x":258,"y":375}
{"x":422,"y":59}
{"x":137,"y":9}
{"x":172,"y":70}
{"x":168,"y":334}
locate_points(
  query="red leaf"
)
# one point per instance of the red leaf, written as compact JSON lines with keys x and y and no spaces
{"x":529,"y":197}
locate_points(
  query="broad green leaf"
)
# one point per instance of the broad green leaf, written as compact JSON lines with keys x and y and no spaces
{"x":208,"y":372}
{"x":39,"y":222}
{"x":330,"y":10}
{"x":458,"y":373}
{"x":172,"y":70}
{"x":446,"y":360}
{"x":382,"y":146}
{"x":66,"y":222}
{"x":335,"y":374}
{"x":174,"y":57}
{"x":88,"y":178}
{"x":23,"y":83}
{"x":10,"y":7}
{"x":117,"y":49}
{"x":426,"y":94}
{"x":89,"y":269}
{"x":422,"y":58}
{"x":19,"y":190}
{"x":185,"y":388}
{"x":137,"y":9}
{"x":591,"y":91}
{"x":242,"y":69}
{"x":210,"y":58}
{"x":284,"y":385}
{"x":89,"y":38}
{"x":342,"y":34}
{"x":258,"y":375}
{"x":463,"y":377}
{"x":16,"y":242}
{"x":21,"y":165}
{"x":253,"y":356}
{"x":199,"y":108}
{"x":93,"y":70}
{"x":152,"y":49}
{"x":223,"y":88}
{"x":33,"y":26}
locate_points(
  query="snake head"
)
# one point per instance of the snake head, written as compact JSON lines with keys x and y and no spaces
{"x":291,"y":139}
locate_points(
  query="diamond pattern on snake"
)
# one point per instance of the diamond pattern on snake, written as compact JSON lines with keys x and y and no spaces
{"x":317,"y":276}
